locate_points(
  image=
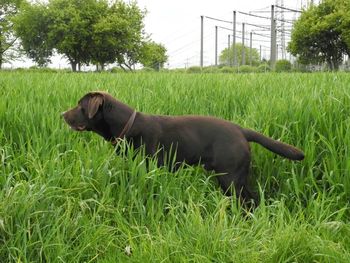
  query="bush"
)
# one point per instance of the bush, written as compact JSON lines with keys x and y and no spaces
{"x":263,"y":68}
{"x":148,"y":69}
{"x":211,"y":70}
{"x":194,"y":69}
{"x":283,"y":65}
{"x":42,"y":69}
{"x":247,"y":69}
{"x":227,"y":69}
{"x":178,"y":70}
{"x":117,"y":70}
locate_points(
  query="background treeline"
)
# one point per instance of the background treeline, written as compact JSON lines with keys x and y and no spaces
{"x":322,"y":34}
{"x":97,"y":32}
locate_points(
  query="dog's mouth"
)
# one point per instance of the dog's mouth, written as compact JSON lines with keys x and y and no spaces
{"x":78,"y":128}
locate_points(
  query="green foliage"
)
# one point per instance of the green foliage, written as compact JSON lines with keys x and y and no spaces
{"x":263,"y":68}
{"x":153,"y":55}
{"x":92,"y":31}
{"x":226,"y":56}
{"x":344,"y":13}
{"x":118,"y":35}
{"x":70,"y":31}
{"x":246,"y":69}
{"x":211,"y":69}
{"x":8,"y":10}
{"x":117,"y":70}
{"x":229,"y":69}
{"x":148,"y":69}
{"x":32,"y":27}
{"x":67,"y":197}
{"x":194,"y":69}
{"x":283,"y":65}
{"x":318,"y":36}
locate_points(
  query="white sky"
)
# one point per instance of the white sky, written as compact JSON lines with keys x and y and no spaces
{"x":176,"y":24}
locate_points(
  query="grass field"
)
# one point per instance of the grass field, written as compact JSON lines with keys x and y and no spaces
{"x":66,"y":197}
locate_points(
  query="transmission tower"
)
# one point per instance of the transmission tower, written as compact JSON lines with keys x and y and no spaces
{"x":281,"y":28}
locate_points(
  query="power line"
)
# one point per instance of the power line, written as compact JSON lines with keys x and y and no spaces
{"x":289,"y":9}
{"x":247,"y":14}
{"x":264,"y":27}
{"x":265,"y":17}
{"x":216,"y":19}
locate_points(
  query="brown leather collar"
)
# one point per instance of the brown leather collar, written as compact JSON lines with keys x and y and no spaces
{"x":126,"y":129}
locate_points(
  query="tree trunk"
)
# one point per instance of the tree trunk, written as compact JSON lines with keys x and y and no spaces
{"x":74,"y":66}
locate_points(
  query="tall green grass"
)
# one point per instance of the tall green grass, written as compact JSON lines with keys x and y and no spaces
{"x":66,"y":197}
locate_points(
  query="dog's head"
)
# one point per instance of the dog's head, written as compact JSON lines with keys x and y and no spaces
{"x":87,"y":114}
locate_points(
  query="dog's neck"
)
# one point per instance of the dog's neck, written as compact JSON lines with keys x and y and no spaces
{"x":118,"y":119}
{"x":126,"y":129}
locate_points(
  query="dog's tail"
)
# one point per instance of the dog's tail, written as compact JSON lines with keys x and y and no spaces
{"x":283,"y":149}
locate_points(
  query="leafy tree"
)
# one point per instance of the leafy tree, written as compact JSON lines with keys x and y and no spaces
{"x":117,"y":37}
{"x":32,"y":27}
{"x":8,"y":9}
{"x":344,"y":13}
{"x":153,"y":55}
{"x":70,"y":30}
{"x":226,"y":56}
{"x":317,"y":36}
{"x":85,"y":31}
{"x":131,"y":51}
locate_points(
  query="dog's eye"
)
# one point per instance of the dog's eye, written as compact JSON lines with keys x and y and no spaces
{"x":82,"y":110}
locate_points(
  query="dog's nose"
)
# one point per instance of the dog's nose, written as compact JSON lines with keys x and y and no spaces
{"x":62,"y":114}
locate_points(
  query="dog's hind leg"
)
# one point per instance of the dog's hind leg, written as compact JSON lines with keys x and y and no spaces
{"x":235,"y":172}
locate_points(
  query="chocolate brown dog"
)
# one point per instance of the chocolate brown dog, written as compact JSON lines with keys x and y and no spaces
{"x":217,"y":144}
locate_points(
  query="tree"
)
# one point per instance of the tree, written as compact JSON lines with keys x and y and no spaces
{"x":70,"y":30}
{"x":344,"y":13}
{"x":226,"y":56}
{"x":317,"y":36}
{"x":84,"y":31}
{"x":8,"y":9}
{"x":153,"y":55}
{"x":117,"y":37}
{"x":32,"y":27}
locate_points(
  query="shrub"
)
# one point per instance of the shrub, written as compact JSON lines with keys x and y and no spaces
{"x":117,"y":70}
{"x":227,"y":69}
{"x":194,"y":69}
{"x":263,"y":68}
{"x":148,"y":69}
{"x":283,"y":65}
{"x":211,"y":70}
{"x":246,"y":69}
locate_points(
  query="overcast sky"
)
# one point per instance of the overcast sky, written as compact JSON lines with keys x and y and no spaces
{"x":176,"y":24}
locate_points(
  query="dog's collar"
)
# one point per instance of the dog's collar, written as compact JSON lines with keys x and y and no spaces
{"x":126,"y":129}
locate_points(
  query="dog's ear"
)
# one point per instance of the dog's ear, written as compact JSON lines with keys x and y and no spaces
{"x":95,"y":101}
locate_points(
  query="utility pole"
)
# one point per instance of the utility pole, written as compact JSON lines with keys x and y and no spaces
{"x":273,"y":38}
{"x":280,"y":25}
{"x":243,"y":47}
{"x":228,"y":50}
{"x":216,"y":45}
{"x":234,"y":40}
{"x":260,"y":54}
{"x":251,"y":49}
{"x":201,"y":51}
